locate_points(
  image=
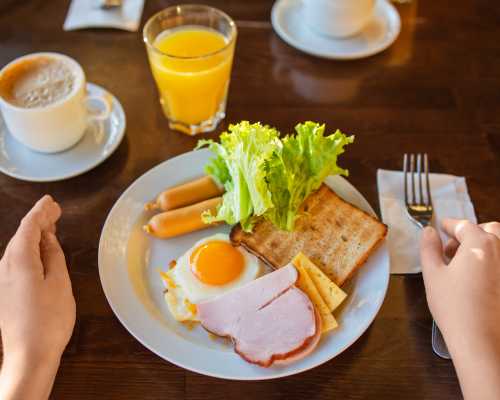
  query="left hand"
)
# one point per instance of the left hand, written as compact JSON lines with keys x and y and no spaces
{"x":37,"y":307}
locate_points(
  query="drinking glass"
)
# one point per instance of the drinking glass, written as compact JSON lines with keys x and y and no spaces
{"x":190,"y":50}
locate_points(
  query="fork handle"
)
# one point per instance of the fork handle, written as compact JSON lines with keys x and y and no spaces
{"x":438,"y":343}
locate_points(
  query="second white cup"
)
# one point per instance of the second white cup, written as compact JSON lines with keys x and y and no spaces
{"x":337,"y":18}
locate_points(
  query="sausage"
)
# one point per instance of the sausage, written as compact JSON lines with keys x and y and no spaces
{"x":182,"y":220}
{"x":186,"y":194}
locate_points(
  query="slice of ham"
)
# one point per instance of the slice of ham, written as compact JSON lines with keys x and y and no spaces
{"x":268,"y":319}
{"x":277,"y":331}
{"x":307,"y":348}
{"x":220,"y":314}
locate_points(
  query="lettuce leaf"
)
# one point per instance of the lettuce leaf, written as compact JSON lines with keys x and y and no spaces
{"x":299,"y":167}
{"x":265,"y":176}
{"x":239,"y":165}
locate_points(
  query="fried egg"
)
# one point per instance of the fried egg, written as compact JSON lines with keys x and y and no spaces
{"x":211,"y":267}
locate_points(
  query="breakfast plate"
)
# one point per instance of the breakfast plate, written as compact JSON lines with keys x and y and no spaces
{"x":129,"y":264}
{"x":379,"y":33}
{"x":100,"y":140}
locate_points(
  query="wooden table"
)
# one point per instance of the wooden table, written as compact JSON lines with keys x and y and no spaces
{"x":437,"y":89}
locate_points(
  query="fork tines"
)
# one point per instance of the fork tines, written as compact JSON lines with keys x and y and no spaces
{"x":409,"y":169}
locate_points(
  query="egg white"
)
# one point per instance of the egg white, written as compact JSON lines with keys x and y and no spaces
{"x":177,"y":302}
{"x":189,"y":289}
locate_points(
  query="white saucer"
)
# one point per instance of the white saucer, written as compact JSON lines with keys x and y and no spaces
{"x":99,"y":141}
{"x":378,"y":35}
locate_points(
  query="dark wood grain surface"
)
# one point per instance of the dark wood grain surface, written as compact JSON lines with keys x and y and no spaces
{"x":437,"y":89}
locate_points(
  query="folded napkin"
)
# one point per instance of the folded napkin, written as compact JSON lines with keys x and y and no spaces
{"x":449,"y":198}
{"x":89,"y":14}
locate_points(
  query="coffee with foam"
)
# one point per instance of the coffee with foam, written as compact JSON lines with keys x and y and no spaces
{"x":37,"y":82}
{"x":44,"y":101}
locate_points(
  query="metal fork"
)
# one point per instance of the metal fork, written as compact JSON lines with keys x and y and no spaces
{"x":110,"y":4}
{"x":420,"y":212}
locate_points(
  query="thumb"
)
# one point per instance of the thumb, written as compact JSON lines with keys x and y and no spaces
{"x":52,"y":255}
{"x":431,"y":253}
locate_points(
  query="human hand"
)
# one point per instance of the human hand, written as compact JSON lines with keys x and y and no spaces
{"x":464,"y":299}
{"x":37,"y":307}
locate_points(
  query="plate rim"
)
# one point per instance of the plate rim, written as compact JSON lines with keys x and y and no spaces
{"x":279,"y":373}
{"x":280,"y":31}
{"x":91,"y":166}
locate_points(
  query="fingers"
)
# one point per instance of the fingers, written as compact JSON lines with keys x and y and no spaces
{"x":42,"y":217}
{"x":431,"y":256}
{"x":52,"y":229}
{"x":452,"y":245}
{"x":451,"y":248}
{"x":460,"y":229}
{"x":44,"y":214}
{"x":24,"y":248}
{"x":52,"y":256}
{"x":492,"y":227}
{"x":431,"y":249}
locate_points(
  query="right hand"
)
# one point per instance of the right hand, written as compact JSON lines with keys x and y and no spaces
{"x":464,"y":294}
{"x":464,"y":299}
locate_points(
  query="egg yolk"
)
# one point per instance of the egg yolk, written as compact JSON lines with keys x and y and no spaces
{"x":216,"y":263}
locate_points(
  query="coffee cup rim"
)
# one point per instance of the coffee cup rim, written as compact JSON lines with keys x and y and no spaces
{"x":74,"y":65}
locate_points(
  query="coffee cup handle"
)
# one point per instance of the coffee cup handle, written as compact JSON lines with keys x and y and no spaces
{"x":105,"y":106}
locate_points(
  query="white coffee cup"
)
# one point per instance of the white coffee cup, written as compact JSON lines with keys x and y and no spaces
{"x":337,"y":18}
{"x":56,"y":126}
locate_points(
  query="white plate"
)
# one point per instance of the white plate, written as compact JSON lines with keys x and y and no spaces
{"x":128,"y":266}
{"x":99,"y":141}
{"x":379,"y":33}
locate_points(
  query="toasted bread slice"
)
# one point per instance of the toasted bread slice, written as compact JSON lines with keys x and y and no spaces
{"x":337,"y":236}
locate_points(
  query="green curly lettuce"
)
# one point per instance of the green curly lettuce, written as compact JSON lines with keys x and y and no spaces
{"x":299,"y":167}
{"x":239,"y":165}
{"x":266,"y":176}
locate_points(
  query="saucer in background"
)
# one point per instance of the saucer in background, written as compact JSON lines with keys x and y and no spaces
{"x":379,"y":33}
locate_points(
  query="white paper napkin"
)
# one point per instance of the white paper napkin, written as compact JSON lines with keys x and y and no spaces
{"x":89,"y":14}
{"x":450,"y":200}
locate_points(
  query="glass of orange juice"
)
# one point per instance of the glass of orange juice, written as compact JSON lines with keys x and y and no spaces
{"x":190,"y":50}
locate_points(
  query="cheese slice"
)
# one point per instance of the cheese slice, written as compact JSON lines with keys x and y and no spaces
{"x":305,"y":283}
{"x":329,"y":291}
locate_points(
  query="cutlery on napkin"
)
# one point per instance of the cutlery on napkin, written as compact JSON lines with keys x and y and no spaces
{"x":90,"y":14}
{"x":450,"y":200}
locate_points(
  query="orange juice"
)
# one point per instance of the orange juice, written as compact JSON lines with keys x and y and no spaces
{"x":191,"y":66}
